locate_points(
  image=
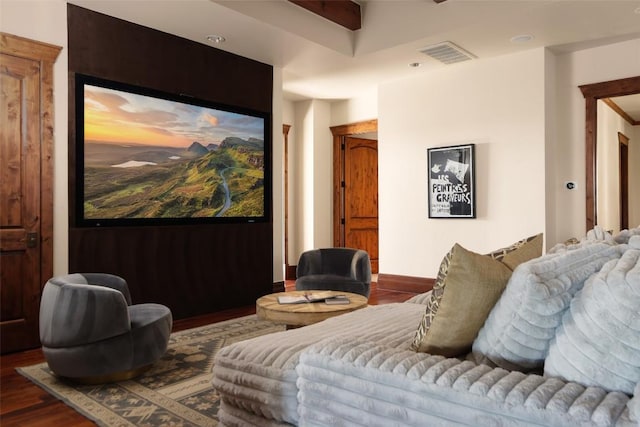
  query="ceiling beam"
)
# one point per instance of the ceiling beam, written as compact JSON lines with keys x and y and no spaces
{"x":342,"y":12}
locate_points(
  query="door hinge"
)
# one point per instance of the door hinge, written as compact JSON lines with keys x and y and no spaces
{"x":342,"y":184}
{"x":342,"y":221}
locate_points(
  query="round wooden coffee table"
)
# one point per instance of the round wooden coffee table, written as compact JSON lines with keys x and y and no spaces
{"x":296,"y":315}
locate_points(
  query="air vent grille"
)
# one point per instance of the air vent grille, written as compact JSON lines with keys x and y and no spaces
{"x":447,"y":53}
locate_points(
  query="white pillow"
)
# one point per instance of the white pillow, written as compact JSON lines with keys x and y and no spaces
{"x":625,"y":235}
{"x":598,"y":343}
{"x":634,"y":405}
{"x":517,"y":333}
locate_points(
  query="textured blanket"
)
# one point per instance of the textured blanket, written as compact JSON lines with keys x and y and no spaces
{"x":358,"y":383}
{"x":259,"y":376}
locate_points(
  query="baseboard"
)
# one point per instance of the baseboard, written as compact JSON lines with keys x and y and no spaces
{"x":395,"y":282}
{"x":278,"y":287}
{"x":290,"y":272}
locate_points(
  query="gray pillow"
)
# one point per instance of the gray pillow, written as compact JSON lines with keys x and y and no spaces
{"x":598,"y":343}
{"x":517,"y":333}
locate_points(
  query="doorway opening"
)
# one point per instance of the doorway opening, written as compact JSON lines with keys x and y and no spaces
{"x":355,"y":188}
{"x":623,"y":142}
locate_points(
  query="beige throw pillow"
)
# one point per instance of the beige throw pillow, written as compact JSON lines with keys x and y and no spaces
{"x":519,"y":252}
{"x":471,"y":287}
{"x":473,"y":283}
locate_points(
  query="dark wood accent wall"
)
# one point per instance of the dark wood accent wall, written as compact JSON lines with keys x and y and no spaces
{"x":193,"y":269}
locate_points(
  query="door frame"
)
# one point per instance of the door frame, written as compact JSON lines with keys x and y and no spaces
{"x":592,"y":92}
{"x":623,"y":167}
{"x":339,"y":132}
{"x":289,"y":270}
{"x":45,"y":55}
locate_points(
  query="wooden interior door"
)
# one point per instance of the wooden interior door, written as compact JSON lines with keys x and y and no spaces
{"x":26,"y":211}
{"x":361,"y":196}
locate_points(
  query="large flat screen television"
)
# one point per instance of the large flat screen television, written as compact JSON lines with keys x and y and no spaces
{"x":145,"y":157}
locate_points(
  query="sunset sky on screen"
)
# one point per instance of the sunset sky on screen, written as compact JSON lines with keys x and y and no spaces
{"x":125,"y":118}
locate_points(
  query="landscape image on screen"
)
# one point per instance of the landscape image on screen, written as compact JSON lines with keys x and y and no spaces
{"x":150,"y":158}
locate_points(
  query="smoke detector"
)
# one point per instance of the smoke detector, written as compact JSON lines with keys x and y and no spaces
{"x":447,"y":53}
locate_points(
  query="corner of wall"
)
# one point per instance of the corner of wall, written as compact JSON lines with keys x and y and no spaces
{"x":277,"y":178}
{"x":551,"y":138}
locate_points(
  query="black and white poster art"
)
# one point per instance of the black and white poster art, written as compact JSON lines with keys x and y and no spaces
{"x":451,"y":181}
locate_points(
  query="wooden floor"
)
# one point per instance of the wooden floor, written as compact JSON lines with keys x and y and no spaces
{"x":24,"y":404}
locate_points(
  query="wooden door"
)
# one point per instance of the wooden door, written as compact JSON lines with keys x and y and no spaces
{"x":361,"y":196}
{"x":26,"y":211}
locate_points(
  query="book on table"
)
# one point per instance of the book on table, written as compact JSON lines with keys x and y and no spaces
{"x":326,"y":297}
{"x":337,"y":300}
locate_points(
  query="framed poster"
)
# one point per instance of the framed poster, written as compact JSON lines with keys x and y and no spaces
{"x":451,"y":183}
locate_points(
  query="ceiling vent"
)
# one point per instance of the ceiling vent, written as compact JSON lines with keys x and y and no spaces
{"x":447,"y":53}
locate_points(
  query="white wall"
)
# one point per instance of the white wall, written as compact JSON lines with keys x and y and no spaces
{"x":498,"y":104}
{"x":607,"y":171}
{"x":46,"y":21}
{"x":322,"y":176}
{"x":364,"y":107}
{"x":526,"y":114}
{"x":634,"y":178}
{"x":611,"y":62}
{"x":310,"y":178}
{"x":551,"y":126}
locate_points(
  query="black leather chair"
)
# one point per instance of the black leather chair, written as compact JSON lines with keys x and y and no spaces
{"x":335,"y":269}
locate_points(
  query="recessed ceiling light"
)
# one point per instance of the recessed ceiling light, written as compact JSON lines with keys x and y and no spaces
{"x":522,"y":38}
{"x":214,"y":38}
{"x":637,"y":10}
{"x":415,"y":64}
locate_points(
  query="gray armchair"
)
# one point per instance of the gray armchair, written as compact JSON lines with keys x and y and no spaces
{"x":336,"y":269}
{"x":90,"y":332}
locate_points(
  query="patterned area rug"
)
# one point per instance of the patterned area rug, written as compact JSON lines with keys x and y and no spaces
{"x":176,"y":391}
